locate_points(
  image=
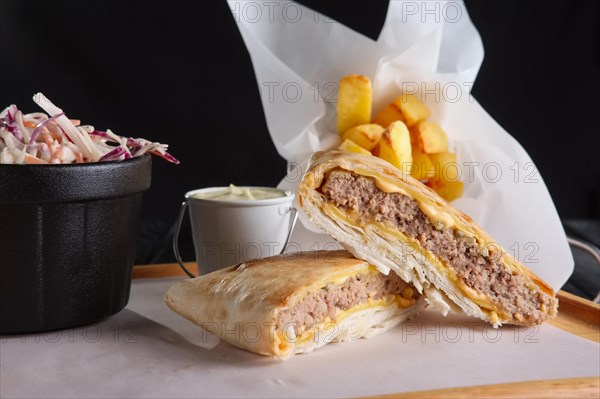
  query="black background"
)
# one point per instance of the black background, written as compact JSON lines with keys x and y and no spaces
{"x":178,"y":72}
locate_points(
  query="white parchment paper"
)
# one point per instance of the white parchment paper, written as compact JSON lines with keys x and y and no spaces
{"x":430,"y":49}
{"x":147,"y":351}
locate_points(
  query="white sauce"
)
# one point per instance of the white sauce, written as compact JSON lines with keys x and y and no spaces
{"x":233,"y":193}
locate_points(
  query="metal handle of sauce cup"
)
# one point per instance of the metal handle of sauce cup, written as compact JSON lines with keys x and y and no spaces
{"x":182,"y":212}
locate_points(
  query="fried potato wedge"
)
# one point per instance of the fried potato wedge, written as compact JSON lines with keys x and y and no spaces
{"x":354,"y":102}
{"x":395,"y":147}
{"x":389,"y":114}
{"x":422,"y":168}
{"x":366,"y":135}
{"x":413,"y":110}
{"x":429,"y":137}
{"x":448,"y":190}
{"x":445,"y":165}
{"x":351,"y":146}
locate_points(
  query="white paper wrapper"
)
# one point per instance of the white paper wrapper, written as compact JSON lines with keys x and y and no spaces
{"x":430,"y":49}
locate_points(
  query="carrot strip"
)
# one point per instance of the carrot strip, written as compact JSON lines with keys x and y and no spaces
{"x":57,"y":154}
{"x":30,"y":159}
{"x":48,"y":139}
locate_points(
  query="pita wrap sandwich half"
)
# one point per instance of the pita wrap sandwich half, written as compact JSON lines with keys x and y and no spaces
{"x":397,"y":223}
{"x":295,"y":303}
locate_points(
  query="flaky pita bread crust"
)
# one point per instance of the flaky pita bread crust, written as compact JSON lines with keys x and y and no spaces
{"x":236,"y":302}
{"x":387,"y":252}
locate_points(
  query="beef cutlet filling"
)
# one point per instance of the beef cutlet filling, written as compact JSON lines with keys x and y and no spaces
{"x":480,"y":271}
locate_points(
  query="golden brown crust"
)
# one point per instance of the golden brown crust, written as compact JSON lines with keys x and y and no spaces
{"x":233,"y":301}
{"x":358,"y":241}
{"x":273,"y":282}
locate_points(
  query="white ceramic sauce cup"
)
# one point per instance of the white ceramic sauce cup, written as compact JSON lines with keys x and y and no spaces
{"x":229,"y":231}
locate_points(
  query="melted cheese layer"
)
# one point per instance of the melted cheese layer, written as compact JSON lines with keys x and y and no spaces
{"x":448,"y":272}
{"x":436,"y":213}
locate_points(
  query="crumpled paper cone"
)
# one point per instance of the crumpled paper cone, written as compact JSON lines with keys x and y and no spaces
{"x":430,"y":49}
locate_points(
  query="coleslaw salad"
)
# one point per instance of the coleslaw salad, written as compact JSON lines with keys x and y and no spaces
{"x":52,"y":138}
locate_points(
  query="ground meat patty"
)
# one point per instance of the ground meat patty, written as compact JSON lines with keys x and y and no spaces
{"x":332,"y":299}
{"x":484,"y":274}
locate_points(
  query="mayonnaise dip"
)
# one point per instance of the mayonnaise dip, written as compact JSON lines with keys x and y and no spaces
{"x":233,"y":193}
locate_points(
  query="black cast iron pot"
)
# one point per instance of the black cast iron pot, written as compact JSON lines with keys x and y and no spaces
{"x":67,"y":241}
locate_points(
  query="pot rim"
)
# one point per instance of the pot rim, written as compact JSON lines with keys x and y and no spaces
{"x":38,"y":184}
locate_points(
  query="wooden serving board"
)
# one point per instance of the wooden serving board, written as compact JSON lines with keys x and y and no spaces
{"x":576,"y":315}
